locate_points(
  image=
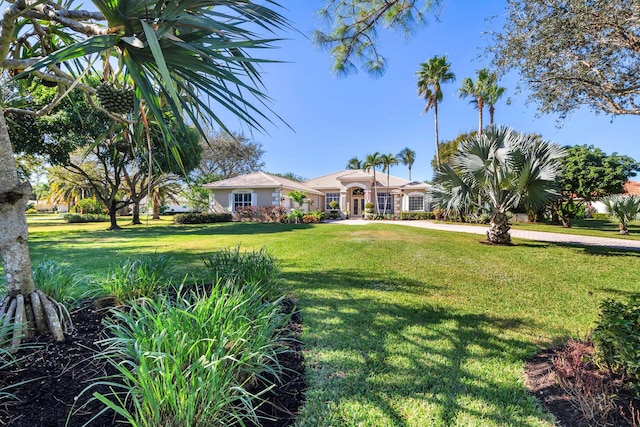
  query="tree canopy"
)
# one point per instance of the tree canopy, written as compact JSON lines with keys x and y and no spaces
{"x":353,"y":29}
{"x":574,"y":53}
{"x":228,"y":154}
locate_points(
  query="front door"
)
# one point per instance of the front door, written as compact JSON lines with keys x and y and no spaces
{"x":358,"y":205}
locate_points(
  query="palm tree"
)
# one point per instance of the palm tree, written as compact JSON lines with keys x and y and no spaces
{"x":624,"y":208}
{"x":298,"y":196}
{"x":354,"y":163}
{"x":478,"y":90}
{"x":371,"y":162}
{"x":498,"y":171}
{"x":387,"y":160}
{"x":407,"y":157}
{"x":494,"y":93}
{"x":430,"y":77}
{"x":181,"y":51}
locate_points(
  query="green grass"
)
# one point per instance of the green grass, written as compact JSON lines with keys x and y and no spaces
{"x":402,"y":326}
{"x":586,"y":227}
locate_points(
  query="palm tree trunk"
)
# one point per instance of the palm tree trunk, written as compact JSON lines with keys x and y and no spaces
{"x":492,"y":111}
{"x":498,"y":234}
{"x":410,"y":167}
{"x":480,"y":108}
{"x":375,"y":192}
{"x":435,"y":126}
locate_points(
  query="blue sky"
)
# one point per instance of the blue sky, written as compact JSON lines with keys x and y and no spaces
{"x":335,"y":118}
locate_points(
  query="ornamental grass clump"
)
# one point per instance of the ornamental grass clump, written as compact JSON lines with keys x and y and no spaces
{"x":193,"y":360}
{"x":138,"y":277}
{"x":64,"y":283}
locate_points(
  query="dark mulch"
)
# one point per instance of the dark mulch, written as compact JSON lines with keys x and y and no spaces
{"x":59,"y":373}
{"x":542,"y":380}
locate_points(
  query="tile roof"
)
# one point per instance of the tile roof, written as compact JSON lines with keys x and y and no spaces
{"x":259,"y":180}
{"x":631,"y":187}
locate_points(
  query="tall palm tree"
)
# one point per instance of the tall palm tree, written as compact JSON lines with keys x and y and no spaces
{"x":386,"y":161}
{"x":371,"y":162}
{"x":494,"y":93}
{"x":624,"y":208}
{"x":478,"y":90}
{"x":407,"y":157}
{"x":431,"y":76}
{"x":503,"y":169}
{"x":354,"y":163}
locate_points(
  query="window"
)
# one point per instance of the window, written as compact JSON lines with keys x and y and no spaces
{"x":241,"y":200}
{"x":382,"y":197}
{"x":416,"y":203}
{"x":329,"y":197}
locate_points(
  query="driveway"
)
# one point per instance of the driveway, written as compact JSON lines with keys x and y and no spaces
{"x":540,"y":236}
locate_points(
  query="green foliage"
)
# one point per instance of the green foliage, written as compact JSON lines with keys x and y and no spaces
{"x":624,"y":208}
{"x":84,"y":218}
{"x":62,"y":282}
{"x":417,"y":215}
{"x":202,"y":218}
{"x":138,"y":277}
{"x":313,"y":217}
{"x":89,"y":206}
{"x":448,"y":148}
{"x":559,"y":50}
{"x":239,"y":268}
{"x":334,"y":204}
{"x":295,"y":215}
{"x":298,"y":196}
{"x":617,"y":339}
{"x":193,"y":361}
{"x":600,"y":216}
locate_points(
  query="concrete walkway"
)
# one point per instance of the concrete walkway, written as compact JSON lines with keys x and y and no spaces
{"x":541,"y":236}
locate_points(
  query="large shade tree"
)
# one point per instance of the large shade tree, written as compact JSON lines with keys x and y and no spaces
{"x":199,"y":49}
{"x":588,"y":174}
{"x":574,"y":53}
{"x":431,"y":76}
{"x":498,"y":171}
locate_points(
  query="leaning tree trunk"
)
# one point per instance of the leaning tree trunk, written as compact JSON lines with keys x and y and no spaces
{"x":498,"y":234}
{"x":23,"y":306}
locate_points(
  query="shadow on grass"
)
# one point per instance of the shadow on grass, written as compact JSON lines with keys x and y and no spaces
{"x":395,"y":356}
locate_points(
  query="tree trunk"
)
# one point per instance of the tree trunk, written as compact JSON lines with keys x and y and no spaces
{"x":435,"y":125}
{"x":623,"y":229}
{"x":135,"y":213}
{"x":113,"y":209}
{"x":555,"y":218}
{"x":13,"y":221}
{"x":22,"y":302}
{"x":498,"y":234}
{"x":156,"y":205}
{"x":480,"y":108}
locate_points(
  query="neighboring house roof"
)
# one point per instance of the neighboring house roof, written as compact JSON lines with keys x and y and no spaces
{"x":631,"y":187}
{"x":259,"y":180}
{"x":344,"y":177}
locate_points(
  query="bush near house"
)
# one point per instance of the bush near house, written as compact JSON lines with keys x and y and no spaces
{"x":260,"y":213}
{"x":417,"y":215}
{"x":201,"y":218}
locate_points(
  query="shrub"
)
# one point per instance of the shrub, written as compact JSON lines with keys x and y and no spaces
{"x":334,"y":204}
{"x":600,"y":216}
{"x":89,"y":206}
{"x":417,"y":215}
{"x":31,"y":211}
{"x":60,"y":282}
{"x":84,"y":218}
{"x":260,"y":213}
{"x":192,"y":361}
{"x":201,"y":218}
{"x":138,"y":277}
{"x":295,"y":215}
{"x":617,"y":339}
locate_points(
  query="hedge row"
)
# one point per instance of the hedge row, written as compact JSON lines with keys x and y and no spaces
{"x":82,"y":218}
{"x":201,"y":218}
{"x":417,"y":215}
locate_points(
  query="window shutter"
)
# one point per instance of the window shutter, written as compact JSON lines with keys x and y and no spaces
{"x":254,"y":199}
{"x":231,"y":198}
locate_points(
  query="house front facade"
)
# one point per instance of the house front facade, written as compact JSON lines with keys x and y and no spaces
{"x":352,"y":189}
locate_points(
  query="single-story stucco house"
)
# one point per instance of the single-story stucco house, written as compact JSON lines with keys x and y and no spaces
{"x":352,"y":189}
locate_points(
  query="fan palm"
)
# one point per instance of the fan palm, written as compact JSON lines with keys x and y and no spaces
{"x":430,"y":78}
{"x":478,"y":90}
{"x":407,"y":157}
{"x":386,"y":161}
{"x":498,"y":170}
{"x":371,"y":162}
{"x":624,"y":208}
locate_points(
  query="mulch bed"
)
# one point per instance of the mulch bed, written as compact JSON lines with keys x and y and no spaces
{"x":59,"y":376}
{"x":542,"y":381}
